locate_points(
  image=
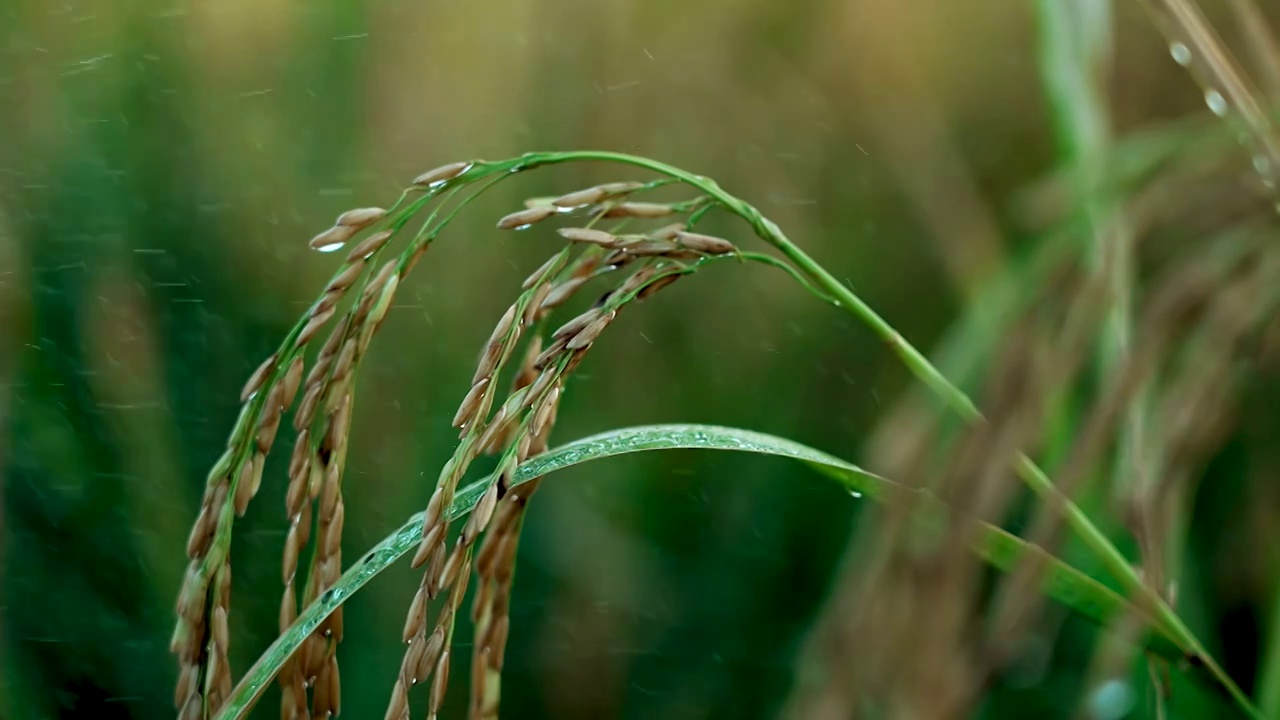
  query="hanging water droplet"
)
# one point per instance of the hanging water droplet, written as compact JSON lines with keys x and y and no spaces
{"x":331,"y":247}
{"x":1216,"y":102}
{"x":1181,"y":54}
{"x":855,"y":494}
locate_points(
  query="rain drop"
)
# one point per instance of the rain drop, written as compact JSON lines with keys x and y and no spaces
{"x":1180,"y":53}
{"x":1216,"y":102}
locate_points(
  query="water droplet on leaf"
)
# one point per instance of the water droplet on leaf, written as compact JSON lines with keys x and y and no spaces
{"x":1216,"y":102}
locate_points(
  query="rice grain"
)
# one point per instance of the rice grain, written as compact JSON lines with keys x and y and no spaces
{"x":522,"y":219}
{"x":333,"y":238}
{"x":595,"y":195}
{"x":436,"y":176}
{"x":640,"y":210}
{"x":258,"y":378}
{"x":291,"y":382}
{"x":708,"y":244}
{"x":591,"y":331}
{"x":369,"y":246}
{"x":360,"y":218}
{"x":589,"y":236}
{"x":470,"y":406}
{"x":317,"y":321}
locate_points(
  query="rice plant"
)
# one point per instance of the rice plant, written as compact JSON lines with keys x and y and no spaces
{"x":1169,"y":337}
{"x":612,"y":242}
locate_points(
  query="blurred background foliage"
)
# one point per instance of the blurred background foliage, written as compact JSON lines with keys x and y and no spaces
{"x":163,"y":163}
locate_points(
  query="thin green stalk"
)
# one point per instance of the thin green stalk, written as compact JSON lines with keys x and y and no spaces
{"x":1093,"y":538}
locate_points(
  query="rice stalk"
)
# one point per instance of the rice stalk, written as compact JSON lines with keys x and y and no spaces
{"x":204,"y":676}
{"x":495,"y":564}
{"x":237,"y":475}
{"x":316,"y":469}
{"x":659,"y":261}
{"x":535,"y":397}
{"x":443,"y":566}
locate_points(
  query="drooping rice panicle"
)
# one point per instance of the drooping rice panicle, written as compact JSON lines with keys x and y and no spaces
{"x":204,"y":676}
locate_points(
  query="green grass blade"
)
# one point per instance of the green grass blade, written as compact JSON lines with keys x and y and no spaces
{"x":1064,"y":583}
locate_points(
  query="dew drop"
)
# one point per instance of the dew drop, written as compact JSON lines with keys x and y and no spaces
{"x":855,"y":494}
{"x":1216,"y":102}
{"x":331,"y":247}
{"x":1181,"y":54}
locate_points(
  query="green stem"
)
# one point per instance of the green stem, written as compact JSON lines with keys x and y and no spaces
{"x":1107,"y":553}
{"x":1269,"y":676}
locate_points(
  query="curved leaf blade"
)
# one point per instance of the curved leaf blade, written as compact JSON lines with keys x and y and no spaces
{"x":1001,"y":549}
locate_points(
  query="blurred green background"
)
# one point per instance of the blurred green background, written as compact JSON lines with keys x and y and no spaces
{"x":163,"y":164}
